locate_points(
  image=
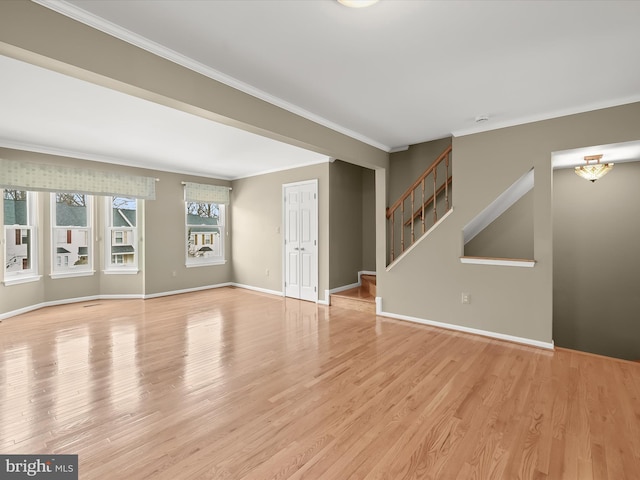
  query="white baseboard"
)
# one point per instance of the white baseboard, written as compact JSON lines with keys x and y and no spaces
{"x":65,"y":301}
{"x":324,"y":302}
{"x":20,"y":311}
{"x":351,"y":285}
{"x":258,"y":289}
{"x":344,"y":287}
{"x":459,"y":328}
{"x":365,"y":272}
{"x":187,"y":290}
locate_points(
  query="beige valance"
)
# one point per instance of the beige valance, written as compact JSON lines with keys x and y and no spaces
{"x":203,"y":193}
{"x":21,"y":175}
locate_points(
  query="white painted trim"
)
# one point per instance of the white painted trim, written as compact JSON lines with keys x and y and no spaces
{"x":417,"y":242}
{"x":20,"y":311}
{"x":506,"y":262}
{"x":491,"y":125}
{"x":186,"y":290}
{"x":128,"y":296}
{"x":53,"y":303}
{"x":345,"y":287}
{"x":324,"y":302}
{"x":500,"y":205}
{"x":282,"y":169}
{"x":79,"y":273}
{"x":30,"y":308}
{"x":21,"y":279}
{"x":459,"y":328}
{"x":76,"y":13}
{"x":208,"y":264}
{"x":365,"y":272}
{"x":257,"y":289}
{"x":121,"y":272}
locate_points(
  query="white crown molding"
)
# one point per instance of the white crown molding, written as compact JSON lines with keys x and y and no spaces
{"x":105,"y":26}
{"x":490,"y":125}
{"x":282,"y":169}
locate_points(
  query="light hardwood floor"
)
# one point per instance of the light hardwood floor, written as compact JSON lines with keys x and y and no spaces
{"x":233,"y":384}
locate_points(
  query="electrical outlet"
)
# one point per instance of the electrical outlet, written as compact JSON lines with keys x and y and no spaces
{"x":266,"y":272}
{"x":466,"y":298}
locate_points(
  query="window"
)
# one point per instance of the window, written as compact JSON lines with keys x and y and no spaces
{"x":20,"y":236}
{"x":72,"y":247}
{"x":121,"y":234}
{"x":205,"y":233}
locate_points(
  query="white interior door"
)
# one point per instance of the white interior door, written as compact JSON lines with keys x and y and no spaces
{"x":301,"y":240}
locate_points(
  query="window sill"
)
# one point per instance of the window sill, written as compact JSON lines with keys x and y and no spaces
{"x":207,"y":264}
{"x":506,"y":262}
{"x":21,"y":279}
{"x":83,"y":273}
{"x":124,"y":271}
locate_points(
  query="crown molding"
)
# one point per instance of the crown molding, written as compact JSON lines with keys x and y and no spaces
{"x":64,"y":8}
{"x":490,"y":125}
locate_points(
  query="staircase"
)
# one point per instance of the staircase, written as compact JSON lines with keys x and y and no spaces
{"x":362,"y":298}
{"x":420,"y":207}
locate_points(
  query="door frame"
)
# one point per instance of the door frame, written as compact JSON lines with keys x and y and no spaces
{"x":313,"y":181}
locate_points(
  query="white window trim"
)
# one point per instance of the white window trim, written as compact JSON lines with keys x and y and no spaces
{"x":220,"y":260}
{"x":207,"y":264}
{"x":20,"y":279}
{"x":31,"y":275}
{"x":77,"y":273}
{"x":72,"y":271}
{"x":114,"y":269}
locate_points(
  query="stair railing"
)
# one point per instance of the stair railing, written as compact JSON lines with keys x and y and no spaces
{"x":419,"y":214}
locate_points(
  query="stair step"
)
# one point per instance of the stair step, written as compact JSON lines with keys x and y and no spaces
{"x":369,"y":283}
{"x":358,"y":298}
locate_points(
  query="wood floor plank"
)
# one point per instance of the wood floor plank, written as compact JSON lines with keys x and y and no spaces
{"x":233,"y":384}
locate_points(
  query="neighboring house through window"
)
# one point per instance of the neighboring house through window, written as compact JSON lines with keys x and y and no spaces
{"x":71,"y":233}
{"x":122,"y":221}
{"x":20,"y":236}
{"x":205,"y":233}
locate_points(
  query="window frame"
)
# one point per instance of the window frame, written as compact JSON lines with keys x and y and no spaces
{"x":63,"y":269}
{"x":32,"y":273}
{"x":112,"y":267}
{"x":190,"y":260}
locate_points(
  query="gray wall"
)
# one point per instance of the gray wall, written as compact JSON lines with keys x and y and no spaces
{"x":596,"y":274}
{"x":405,"y":167}
{"x":345,"y":223}
{"x":508,"y":236}
{"x":257,"y":227}
{"x":508,"y":300}
{"x":368,"y":220}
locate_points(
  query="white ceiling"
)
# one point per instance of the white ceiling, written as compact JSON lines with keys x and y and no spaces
{"x":49,"y":112}
{"x":395,"y":74}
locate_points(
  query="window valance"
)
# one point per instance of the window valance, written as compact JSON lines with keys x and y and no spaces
{"x":200,"y":192}
{"x":56,"y":178}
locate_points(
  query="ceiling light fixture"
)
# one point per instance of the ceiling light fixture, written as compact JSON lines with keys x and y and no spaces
{"x":595,"y":171}
{"x":357,"y":3}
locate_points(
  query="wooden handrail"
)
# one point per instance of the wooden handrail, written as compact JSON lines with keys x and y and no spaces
{"x":420,"y":212}
{"x":426,"y":173}
{"x":404,"y":223}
